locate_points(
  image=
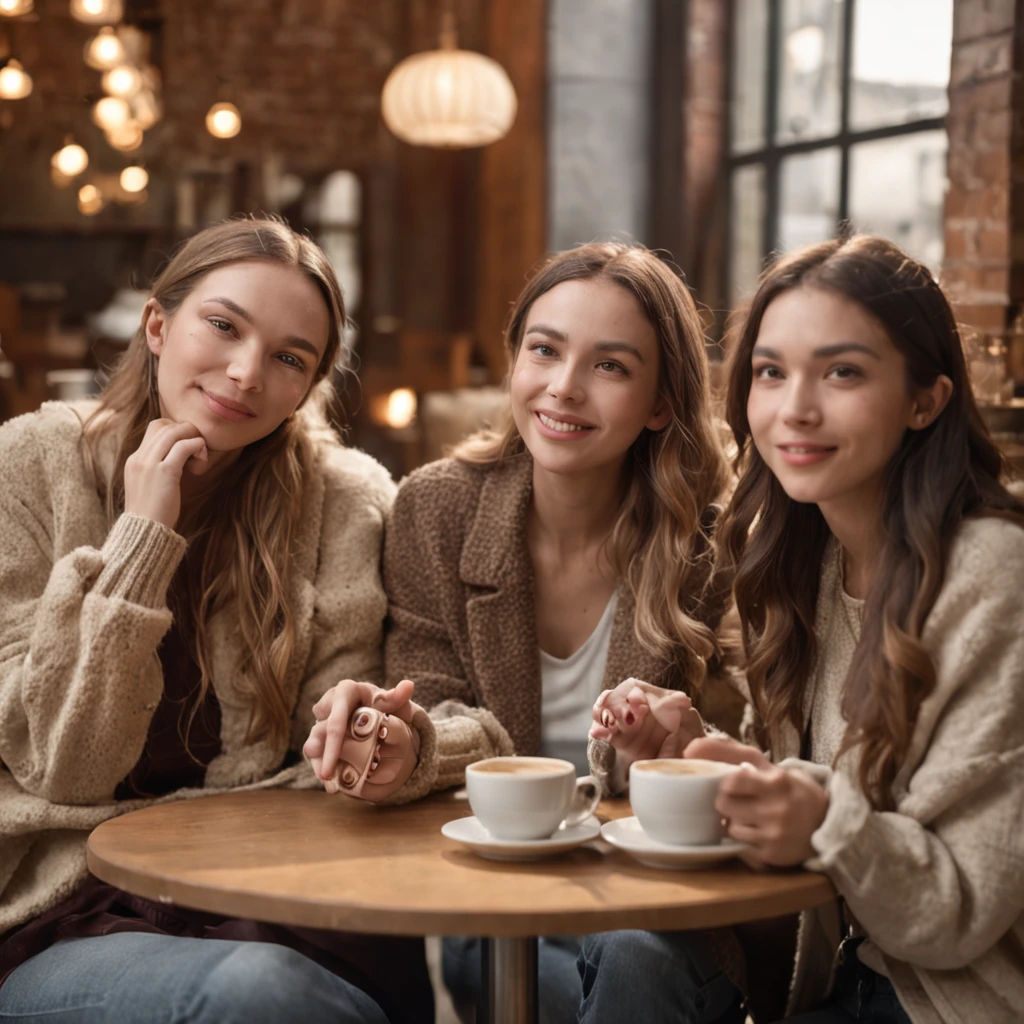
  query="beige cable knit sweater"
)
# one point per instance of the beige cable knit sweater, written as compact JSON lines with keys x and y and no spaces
{"x":938,"y":884}
{"x":82,"y":612}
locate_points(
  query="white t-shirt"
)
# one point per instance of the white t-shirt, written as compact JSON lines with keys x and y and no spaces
{"x":569,"y":687}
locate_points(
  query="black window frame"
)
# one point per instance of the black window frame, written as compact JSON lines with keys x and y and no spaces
{"x":771,"y":154}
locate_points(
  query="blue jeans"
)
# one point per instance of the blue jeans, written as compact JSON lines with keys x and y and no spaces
{"x":860,"y":994}
{"x":558,"y":982}
{"x":655,"y":976}
{"x":140,"y":978}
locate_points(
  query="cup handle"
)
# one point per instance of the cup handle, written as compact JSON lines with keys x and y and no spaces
{"x":584,"y":801}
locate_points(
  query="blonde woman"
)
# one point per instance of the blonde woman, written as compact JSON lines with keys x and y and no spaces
{"x":544,"y":564}
{"x":186,"y":567}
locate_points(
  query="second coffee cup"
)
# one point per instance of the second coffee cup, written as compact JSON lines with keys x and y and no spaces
{"x":522,"y":798}
{"x":674,"y":799}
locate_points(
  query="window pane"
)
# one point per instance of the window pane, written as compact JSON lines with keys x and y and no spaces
{"x":809,"y":87}
{"x":896,"y":190}
{"x":901,"y":54}
{"x":808,"y":198}
{"x":747,"y":250}
{"x":749,"y":67}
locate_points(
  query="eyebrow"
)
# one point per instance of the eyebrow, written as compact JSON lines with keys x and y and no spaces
{"x":601,"y":346}
{"x":825,"y":352}
{"x":292,"y":340}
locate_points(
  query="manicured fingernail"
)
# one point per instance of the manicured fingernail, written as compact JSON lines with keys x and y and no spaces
{"x":607,"y":719}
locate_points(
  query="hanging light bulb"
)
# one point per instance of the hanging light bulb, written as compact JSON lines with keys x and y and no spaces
{"x":401,"y":408}
{"x":90,"y":200}
{"x":104,"y":50}
{"x":111,"y":112}
{"x":134,"y":178}
{"x":123,"y":81}
{"x":15,"y":82}
{"x":97,"y":12}
{"x":126,"y":138}
{"x":15,"y":8}
{"x":70,"y":160}
{"x":223,"y":120}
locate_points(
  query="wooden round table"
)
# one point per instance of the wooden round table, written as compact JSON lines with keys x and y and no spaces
{"x":309,"y":859}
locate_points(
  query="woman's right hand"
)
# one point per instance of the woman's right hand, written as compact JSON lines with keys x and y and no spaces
{"x":642,"y":721}
{"x":152,"y":473}
{"x":333,"y":712}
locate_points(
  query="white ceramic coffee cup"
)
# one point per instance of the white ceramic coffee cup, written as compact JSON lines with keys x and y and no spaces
{"x":674,"y":799}
{"x":529,"y":797}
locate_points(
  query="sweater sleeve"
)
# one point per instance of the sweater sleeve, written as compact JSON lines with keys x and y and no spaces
{"x":423,"y":541}
{"x":79,"y":675}
{"x":937,"y":882}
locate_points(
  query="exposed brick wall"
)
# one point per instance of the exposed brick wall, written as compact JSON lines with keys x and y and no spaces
{"x":983,"y":269}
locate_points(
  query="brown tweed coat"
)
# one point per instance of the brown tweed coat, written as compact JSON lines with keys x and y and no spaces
{"x":461,"y":610}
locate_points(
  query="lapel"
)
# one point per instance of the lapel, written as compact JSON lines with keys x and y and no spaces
{"x":496,"y":571}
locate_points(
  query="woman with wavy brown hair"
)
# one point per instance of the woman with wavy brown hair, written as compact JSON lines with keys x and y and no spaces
{"x":554,"y":559}
{"x":186,"y":566}
{"x":878,"y":564}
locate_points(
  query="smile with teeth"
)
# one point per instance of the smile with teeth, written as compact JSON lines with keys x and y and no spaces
{"x":564,"y":428}
{"x":799,"y":449}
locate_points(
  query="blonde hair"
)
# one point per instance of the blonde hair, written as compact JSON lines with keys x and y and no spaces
{"x":244,"y":543}
{"x":661,"y":541}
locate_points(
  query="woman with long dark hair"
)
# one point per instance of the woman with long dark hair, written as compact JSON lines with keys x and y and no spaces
{"x":878,"y":565}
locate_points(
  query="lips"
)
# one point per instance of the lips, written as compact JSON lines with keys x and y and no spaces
{"x":805,"y":454}
{"x":225,"y":407}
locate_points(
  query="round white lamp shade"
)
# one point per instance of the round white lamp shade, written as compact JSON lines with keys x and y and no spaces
{"x":15,"y":82}
{"x":449,"y":99}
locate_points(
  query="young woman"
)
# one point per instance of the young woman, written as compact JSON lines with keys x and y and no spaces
{"x":186,"y":566}
{"x":878,"y":566}
{"x":541,"y":565}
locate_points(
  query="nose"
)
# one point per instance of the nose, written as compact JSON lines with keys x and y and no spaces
{"x":802,"y":406}
{"x":246,"y":367}
{"x":564,"y":383}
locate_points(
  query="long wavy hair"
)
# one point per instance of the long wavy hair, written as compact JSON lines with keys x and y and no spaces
{"x":241,"y":539}
{"x":661,"y":542}
{"x":937,"y":478}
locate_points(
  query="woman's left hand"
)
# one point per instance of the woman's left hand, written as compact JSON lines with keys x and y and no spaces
{"x":774,"y":810}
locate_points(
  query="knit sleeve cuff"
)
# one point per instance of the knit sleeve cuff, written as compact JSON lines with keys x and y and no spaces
{"x":847,"y":817}
{"x":465,"y":735}
{"x":140,"y":557}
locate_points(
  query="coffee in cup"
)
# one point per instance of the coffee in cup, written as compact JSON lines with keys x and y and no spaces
{"x":674,"y":799}
{"x":522,"y":798}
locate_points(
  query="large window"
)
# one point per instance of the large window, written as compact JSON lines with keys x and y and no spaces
{"x":837,"y":116}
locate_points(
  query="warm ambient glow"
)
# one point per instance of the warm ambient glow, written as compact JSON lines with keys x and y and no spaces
{"x":15,"y":8}
{"x":105,"y":50}
{"x":15,"y":83}
{"x":146,"y":110}
{"x":223,"y":120}
{"x":70,"y":160}
{"x":90,"y":200}
{"x":123,"y":81}
{"x":111,"y":112}
{"x":126,"y":138}
{"x":97,"y":12}
{"x":401,"y":408}
{"x":449,"y":98}
{"x":134,"y":179}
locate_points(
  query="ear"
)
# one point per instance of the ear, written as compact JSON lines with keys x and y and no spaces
{"x":154,"y":324}
{"x":930,"y":402}
{"x":661,"y":416}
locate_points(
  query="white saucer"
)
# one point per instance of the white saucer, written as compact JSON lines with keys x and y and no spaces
{"x":471,"y":833}
{"x":627,"y":835}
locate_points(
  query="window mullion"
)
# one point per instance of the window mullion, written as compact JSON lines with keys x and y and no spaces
{"x":846,"y":74}
{"x":771,"y":165}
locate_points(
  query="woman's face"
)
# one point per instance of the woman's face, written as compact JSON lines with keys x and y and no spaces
{"x":585,"y":380}
{"x":829,"y":401}
{"x":241,"y":351}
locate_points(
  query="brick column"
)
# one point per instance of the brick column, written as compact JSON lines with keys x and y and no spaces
{"x":983,"y":270}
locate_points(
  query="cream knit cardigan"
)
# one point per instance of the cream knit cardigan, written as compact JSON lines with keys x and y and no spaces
{"x":937,"y":884}
{"x":82,"y":611}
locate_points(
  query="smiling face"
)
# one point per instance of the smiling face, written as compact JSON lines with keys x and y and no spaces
{"x":585,"y":380}
{"x":829,"y":402}
{"x":241,"y":351}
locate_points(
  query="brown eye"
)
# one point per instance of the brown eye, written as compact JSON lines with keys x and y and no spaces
{"x":362,"y":724}
{"x":348,"y":776}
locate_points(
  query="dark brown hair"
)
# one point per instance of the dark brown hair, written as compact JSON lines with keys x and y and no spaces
{"x":937,"y":477}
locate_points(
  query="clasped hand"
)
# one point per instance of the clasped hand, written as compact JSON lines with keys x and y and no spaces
{"x":333,"y":735}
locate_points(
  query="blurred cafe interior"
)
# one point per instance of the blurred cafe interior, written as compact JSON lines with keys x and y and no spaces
{"x":439,"y":148}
